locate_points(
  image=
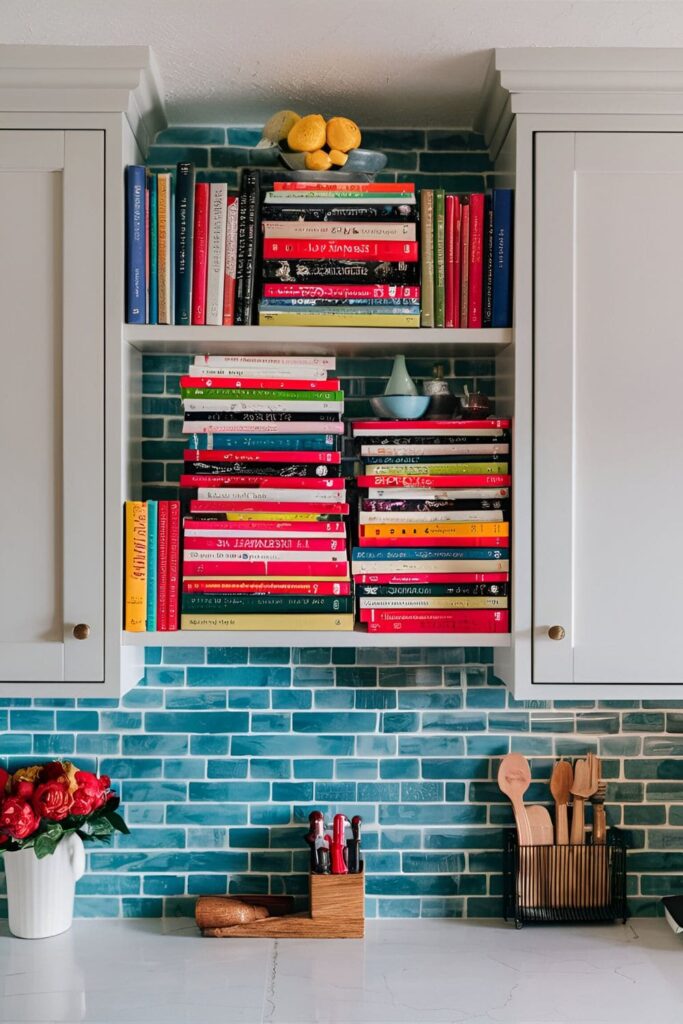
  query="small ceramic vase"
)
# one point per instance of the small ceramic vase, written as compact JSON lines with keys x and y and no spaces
{"x":444,"y":403}
{"x":400,"y":382}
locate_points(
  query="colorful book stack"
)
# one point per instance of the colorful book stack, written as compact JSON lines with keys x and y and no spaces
{"x":264,"y":534}
{"x":191,"y":248}
{"x":340,"y":254}
{"x":152,"y":570}
{"x":466,"y":257}
{"x":433,"y":544}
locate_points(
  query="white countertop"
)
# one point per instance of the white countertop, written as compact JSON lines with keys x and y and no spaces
{"x":412,"y":972}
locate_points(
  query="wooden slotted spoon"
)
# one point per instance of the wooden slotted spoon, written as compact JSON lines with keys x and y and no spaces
{"x":581,"y":791}
{"x":514,"y":778}
{"x":561,"y":782}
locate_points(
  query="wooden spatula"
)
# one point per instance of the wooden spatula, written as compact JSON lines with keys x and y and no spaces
{"x":514,"y":778}
{"x":581,"y":790}
{"x":561,"y":782}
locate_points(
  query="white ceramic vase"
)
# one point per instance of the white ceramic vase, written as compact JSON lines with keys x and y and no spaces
{"x":400,"y":382}
{"x":40,"y":893}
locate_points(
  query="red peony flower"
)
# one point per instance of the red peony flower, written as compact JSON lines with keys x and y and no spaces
{"x":52,"y":800}
{"x":53,"y":771}
{"x":97,"y":789}
{"x":18,"y":818}
{"x":83,"y":802}
{"x":4,"y":778}
{"x":24,"y":789}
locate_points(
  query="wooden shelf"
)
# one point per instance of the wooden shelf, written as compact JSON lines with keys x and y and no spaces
{"x":342,"y":341}
{"x":311,"y":638}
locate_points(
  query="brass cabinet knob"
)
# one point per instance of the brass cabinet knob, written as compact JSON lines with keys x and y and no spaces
{"x":82,"y":631}
{"x":556,"y":633}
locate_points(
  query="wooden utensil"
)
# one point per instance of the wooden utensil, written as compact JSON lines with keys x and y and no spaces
{"x":561,"y":782}
{"x":537,"y":865}
{"x":581,"y":790}
{"x":541,"y":825}
{"x":599,"y":819}
{"x":514,"y":778}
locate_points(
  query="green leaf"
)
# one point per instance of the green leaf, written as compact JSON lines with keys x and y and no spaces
{"x":45,"y":844}
{"x":118,"y":822}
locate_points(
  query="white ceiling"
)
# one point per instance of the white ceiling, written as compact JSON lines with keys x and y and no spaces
{"x":383,"y":62}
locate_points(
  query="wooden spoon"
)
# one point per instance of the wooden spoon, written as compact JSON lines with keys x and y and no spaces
{"x":541,"y":825}
{"x":561,"y":782}
{"x":514,"y":778}
{"x":581,"y":790}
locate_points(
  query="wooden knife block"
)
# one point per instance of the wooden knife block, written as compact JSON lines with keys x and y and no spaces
{"x":337,"y":911}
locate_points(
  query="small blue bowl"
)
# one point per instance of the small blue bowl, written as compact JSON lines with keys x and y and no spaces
{"x":400,"y":407}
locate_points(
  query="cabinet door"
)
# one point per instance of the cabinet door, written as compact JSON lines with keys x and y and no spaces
{"x":52,"y":405}
{"x":608,"y":421}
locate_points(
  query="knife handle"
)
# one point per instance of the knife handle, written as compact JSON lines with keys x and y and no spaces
{"x":353,"y":856}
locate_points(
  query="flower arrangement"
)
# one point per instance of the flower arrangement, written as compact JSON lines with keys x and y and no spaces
{"x":44,"y":803}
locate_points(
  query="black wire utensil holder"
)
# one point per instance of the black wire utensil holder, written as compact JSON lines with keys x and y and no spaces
{"x":565,"y":884}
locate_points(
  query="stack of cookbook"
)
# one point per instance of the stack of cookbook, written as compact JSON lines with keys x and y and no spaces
{"x":433,"y":533}
{"x":264,"y":501}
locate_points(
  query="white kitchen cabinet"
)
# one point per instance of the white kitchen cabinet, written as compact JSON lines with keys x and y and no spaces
{"x":598,"y":359}
{"x":52,"y":408}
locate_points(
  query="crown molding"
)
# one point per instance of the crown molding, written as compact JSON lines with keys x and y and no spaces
{"x":494,"y":116}
{"x":597,"y":80}
{"x":85,"y":79}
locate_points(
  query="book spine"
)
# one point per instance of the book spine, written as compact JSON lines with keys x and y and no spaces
{"x":502,"y":200}
{"x":320,"y":622}
{"x":487,"y":300}
{"x":457,"y":265}
{"x":438,"y":531}
{"x":423,"y":518}
{"x":218,"y":210}
{"x":241,"y":586}
{"x":314,"y":458}
{"x":336,"y":485}
{"x":429,"y":603}
{"x":267,"y":383}
{"x":476,"y":257}
{"x":325,"y":249}
{"x":454,"y":553}
{"x":464,"y":264}
{"x":308,"y":407}
{"x":343,"y":186}
{"x":252,"y":426}
{"x":162,"y":566}
{"x":213,"y":526}
{"x":310,"y":196}
{"x":282,"y":363}
{"x":417,"y":452}
{"x":164,"y":247}
{"x":264,"y":442}
{"x":439,"y":257}
{"x":472,"y":621}
{"x":146,"y":237}
{"x":432,"y":540}
{"x":267,"y":604}
{"x":326,"y":212}
{"x":415,"y":565}
{"x":434,"y":590}
{"x":340,"y":230}
{"x":136,"y":312}
{"x":184,"y":230}
{"x":354,"y":272}
{"x":239,"y":567}
{"x":420,"y":578}
{"x":421,"y":465}
{"x":427,"y":256}
{"x":173,"y":562}
{"x":152,"y":541}
{"x":153,"y":249}
{"x":225,"y":503}
{"x":268,"y":544}
{"x":343,"y":291}
{"x":449,"y":241}
{"x":230,"y":283}
{"x":252,"y":245}
{"x":284,"y":390}
{"x":136,"y":567}
{"x":241,"y":254}
{"x":427,"y":426}
{"x":443,"y":482}
{"x":337,"y":319}
{"x":199,"y":255}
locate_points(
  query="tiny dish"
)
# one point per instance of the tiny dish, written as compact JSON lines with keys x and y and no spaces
{"x":400,"y":407}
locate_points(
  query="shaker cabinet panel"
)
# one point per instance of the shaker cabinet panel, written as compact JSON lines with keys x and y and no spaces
{"x":608,"y":425}
{"x":52,"y":408}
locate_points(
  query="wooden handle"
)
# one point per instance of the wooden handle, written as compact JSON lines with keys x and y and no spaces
{"x":212,"y":912}
{"x":578,"y":825}
{"x":522,"y":822}
{"x":561,"y":825}
{"x":599,"y":825}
